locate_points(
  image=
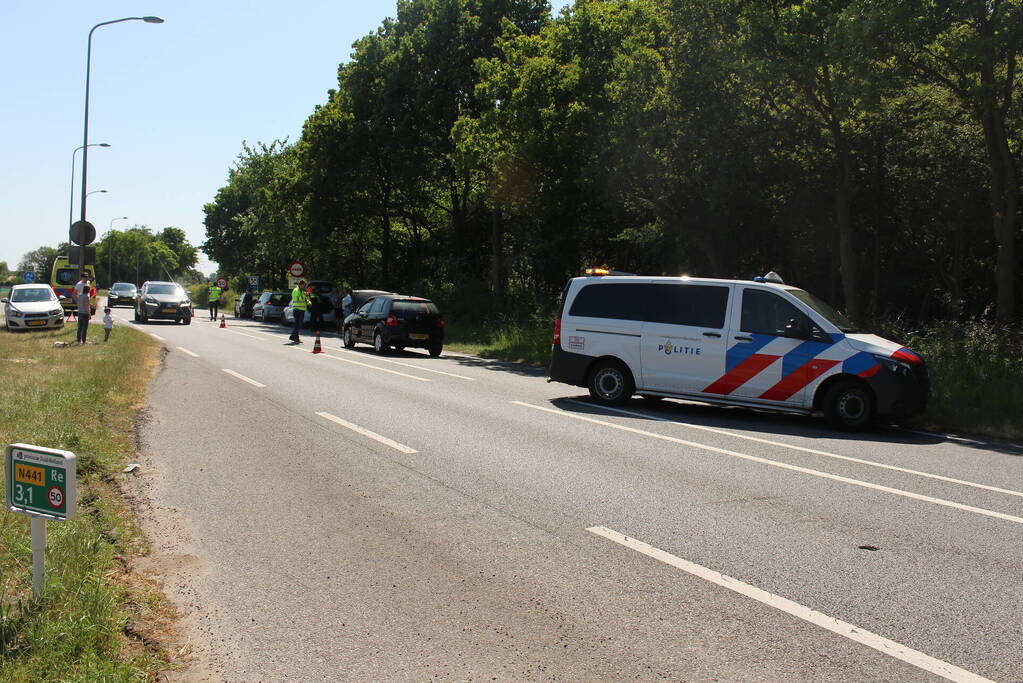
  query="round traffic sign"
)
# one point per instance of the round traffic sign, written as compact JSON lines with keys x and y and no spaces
{"x":222,"y":282}
{"x":83,"y":233}
{"x":56,"y":496}
{"x":297,"y":269}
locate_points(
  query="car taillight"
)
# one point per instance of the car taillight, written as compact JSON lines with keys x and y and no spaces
{"x":440,"y":322}
{"x":391,"y":321}
{"x":557,"y":332}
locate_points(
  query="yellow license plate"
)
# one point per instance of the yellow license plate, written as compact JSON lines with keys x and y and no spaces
{"x":36,"y":322}
{"x":419,"y":335}
{"x":170,"y":310}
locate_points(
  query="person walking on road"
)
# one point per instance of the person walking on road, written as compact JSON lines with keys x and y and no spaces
{"x":299,"y":305}
{"x":82,"y":290}
{"x":214,"y":300}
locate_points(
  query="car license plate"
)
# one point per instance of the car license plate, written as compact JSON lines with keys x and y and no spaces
{"x":419,"y":335}
{"x":170,"y":309}
{"x":36,"y":322}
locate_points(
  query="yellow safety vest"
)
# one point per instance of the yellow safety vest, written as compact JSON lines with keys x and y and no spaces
{"x":298,"y":299}
{"x":215,"y":293}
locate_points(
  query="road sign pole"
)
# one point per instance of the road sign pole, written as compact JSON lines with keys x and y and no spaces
{"x":38,"y":556}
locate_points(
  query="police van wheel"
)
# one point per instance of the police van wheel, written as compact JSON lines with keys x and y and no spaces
{"x":611,"y":383}
{"x":849,"y":406}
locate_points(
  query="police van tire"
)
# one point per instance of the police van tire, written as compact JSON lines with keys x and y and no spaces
{"x":611,"y":383}
{"x":849,"y":406}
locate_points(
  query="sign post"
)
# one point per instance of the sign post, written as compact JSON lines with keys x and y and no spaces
{"x":41,"y":483}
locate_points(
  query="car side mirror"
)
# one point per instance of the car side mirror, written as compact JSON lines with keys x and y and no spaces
{"x":797,"y":328}
{"x":3,"y":301}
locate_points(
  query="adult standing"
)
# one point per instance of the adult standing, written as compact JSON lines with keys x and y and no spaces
{"x":346,"y":303}
{"x":299,"y":305}
{"x":82,"y":291}
{"x":214,"y":300}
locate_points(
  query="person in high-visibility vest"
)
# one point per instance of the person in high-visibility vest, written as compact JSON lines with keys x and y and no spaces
{"x":214,"y":300}
{"x":299,"y":305}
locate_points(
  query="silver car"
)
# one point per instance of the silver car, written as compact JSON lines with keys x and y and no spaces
{"x":32,"y":306}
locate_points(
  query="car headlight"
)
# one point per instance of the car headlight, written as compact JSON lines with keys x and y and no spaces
{"x":186,"y":302}
{"x":894,"y":365}
{"x":152,"y":302}
{"x":13,"y":312}
{"x":56,"y":311}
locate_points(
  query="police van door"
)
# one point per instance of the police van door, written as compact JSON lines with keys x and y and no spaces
{"x":762,"y":364}
{"x":684,"y":336}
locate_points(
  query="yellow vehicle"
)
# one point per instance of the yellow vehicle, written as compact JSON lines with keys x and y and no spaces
{"x":63,"y":278}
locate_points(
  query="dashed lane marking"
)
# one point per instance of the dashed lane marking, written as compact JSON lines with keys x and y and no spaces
{"x":368,"y":434}
{"x":243,"y":378}
{"x":184,"y":350}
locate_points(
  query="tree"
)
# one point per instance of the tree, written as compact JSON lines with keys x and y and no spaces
{"x":39,"y":260}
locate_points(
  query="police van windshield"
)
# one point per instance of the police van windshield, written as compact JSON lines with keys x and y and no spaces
{"x":824,"y":309}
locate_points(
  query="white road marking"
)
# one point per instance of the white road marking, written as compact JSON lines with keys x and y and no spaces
{"x":371,"y":435}
{"x":156,"y":337}
{"x":243,"y":378}
{"x":374,"y":367}
{"x":184,"y":350}
{"x":842,"y":628}
{"x":782,"y":465}
{"x":806,"y":450}
{"x":415,"y":367}
{"x":250,"y":336}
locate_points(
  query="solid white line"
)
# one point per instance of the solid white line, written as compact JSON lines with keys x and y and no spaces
{"x":374,"y":367}
{"x":243,"y":378}
{"x":156,"y":337}
{"x":782,"y":465}
{"x":805,"y":450}
{"x":365,"y":432}
{"x":415,"y":367}
{"x":183,"y":349}
{"x":842,"y":628}
{"x":250,"y":336}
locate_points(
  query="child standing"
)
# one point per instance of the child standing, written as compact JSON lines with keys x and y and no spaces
{"x":108,"y":323}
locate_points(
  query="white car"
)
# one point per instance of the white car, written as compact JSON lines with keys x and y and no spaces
{"x":32,"y":306}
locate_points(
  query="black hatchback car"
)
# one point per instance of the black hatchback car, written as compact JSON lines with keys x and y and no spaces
{"x":395,"y":320}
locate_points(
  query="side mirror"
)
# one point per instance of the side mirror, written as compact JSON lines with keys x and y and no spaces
{"x":3,"y":301}
{"x":797,"y":328}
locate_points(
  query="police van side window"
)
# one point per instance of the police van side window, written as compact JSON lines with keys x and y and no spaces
{"x":694,"y":305}
{"x":615,"y":300}
{"x":767,"y":313}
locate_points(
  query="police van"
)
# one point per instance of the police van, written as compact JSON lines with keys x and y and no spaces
{"x":756,"y":343}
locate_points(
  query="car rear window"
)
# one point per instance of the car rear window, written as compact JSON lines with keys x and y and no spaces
{"x":408,"y":310}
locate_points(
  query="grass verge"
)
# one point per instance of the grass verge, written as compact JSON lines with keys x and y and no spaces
{"x":93,"y":620}
{"x":519,"y":343}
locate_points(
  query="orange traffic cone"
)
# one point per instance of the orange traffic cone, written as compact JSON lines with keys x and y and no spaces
{"x":316,"y":346}
{"x":223,"y":321}
{"x":72,"y":316}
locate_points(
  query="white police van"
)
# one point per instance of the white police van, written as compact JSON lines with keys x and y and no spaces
{"x":758,"y":343}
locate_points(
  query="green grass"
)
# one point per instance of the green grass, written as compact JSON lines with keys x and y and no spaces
{"x":519,"y":343}
{"x":84,"y":399}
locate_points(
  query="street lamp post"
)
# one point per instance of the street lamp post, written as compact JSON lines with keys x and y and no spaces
{"x":71,"y":203}
{"x":85,"y":133}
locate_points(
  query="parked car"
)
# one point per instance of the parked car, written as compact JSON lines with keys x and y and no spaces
{"x":270,"y":305}
{"x":163,"y":301}
{"x":243,"y":304}
{"x":288,"y":316}
{"x":121,"y":293}
{"x":32,"y":306}
{"x":396,"y":320}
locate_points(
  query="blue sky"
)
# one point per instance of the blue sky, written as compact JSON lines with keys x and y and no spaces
{"x":175,"y":101}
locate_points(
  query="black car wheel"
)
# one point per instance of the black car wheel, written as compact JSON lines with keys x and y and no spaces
{"x":137,"y":318}
{"x":611,"y":383}
{"x":378,"y":343}
{"x":435,"y":349}
{"x":849,"y":406}
{"x":346,"y":337}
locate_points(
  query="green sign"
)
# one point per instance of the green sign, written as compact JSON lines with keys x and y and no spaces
{"x":40,"y":481}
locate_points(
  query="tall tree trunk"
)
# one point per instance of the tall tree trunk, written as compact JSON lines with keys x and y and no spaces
{"x":846,"y":239}
{"x":1004,"y":209}
{"x":497,"y":269}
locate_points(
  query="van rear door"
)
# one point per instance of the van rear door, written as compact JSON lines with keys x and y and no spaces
{"x":684,"y":336}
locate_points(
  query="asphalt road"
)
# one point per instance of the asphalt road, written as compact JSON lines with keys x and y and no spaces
{"x":356,"y":517}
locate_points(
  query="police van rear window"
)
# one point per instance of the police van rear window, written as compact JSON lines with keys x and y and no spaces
{"x":667,"y":303}
{"x":618,"y":301}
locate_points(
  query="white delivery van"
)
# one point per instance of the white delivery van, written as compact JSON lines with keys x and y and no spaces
{"x":758,"y":343}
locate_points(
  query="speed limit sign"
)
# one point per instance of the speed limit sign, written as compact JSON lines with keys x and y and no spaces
{"x":296,"y":269}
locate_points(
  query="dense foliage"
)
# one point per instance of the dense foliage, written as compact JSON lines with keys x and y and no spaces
{"x":482,"y":151}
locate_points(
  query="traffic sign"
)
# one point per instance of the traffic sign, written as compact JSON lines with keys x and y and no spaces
{"x":222,"y":282}
{"x":28,"y":276}
{"x":296,"y":269}
{"x":83,"y":232}
{"x":254,"y":282}
{"x":41,"y":482}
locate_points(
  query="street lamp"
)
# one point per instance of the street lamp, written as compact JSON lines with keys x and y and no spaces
{"x":94,"y":192}
{"x":119,"y":218}
{"x":71,"y":204}
{"x":85,"y":133}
